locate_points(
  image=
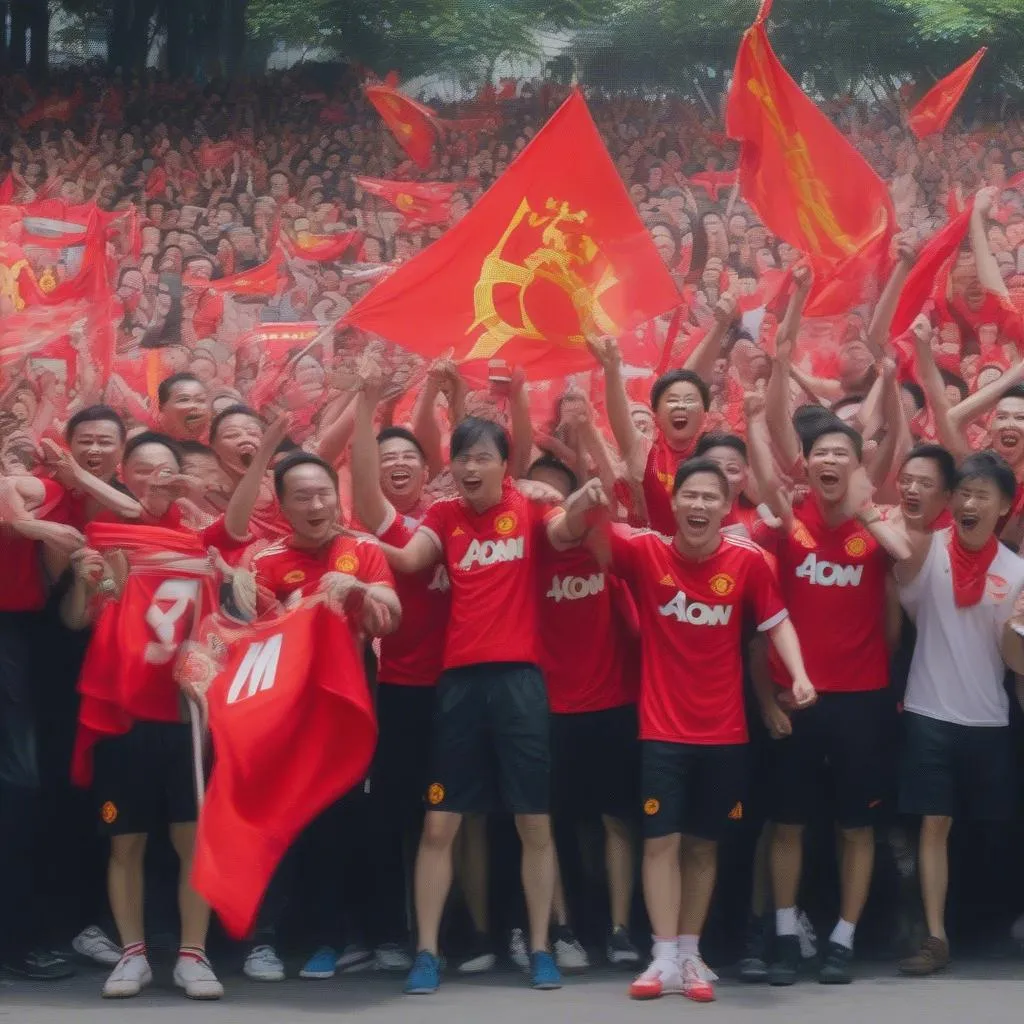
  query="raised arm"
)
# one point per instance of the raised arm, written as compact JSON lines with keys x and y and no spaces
{"x":571,"y":528}
{"x":247,"y":493}
{"x":424,"y":421}
{"x":762,"y":464}
{"x":76,"y":477}
{"x":522,"y":428}
{"x":372,"y":509}
{"x":632,"y":447}
{"x":702,"y":359}
{"x":987,"y":267}
{"x":984,"y":400}
{"x":420,"y":553}
{"x":885,"y":310}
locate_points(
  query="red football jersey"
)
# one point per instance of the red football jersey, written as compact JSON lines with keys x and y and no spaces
{"x":691,"y":632}
{"x":492,"y":565}
{"x":215,"y":535}
{"x":414,"y":654}
{"x":283,"y":571}
{"x":584,"y":642}
{"x":659,"y":474}
{"x":833,"y":581}
{"x":23,"y":585}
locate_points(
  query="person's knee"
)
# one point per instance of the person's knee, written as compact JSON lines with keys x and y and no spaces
{"x":662,"y":847}
{"x":935,"y":827}
{"x":700,"y":853}
{"x":615,"y":828}
{"x":128,"y":850}
{"x":534,"y":830}
{"x":861,"y":836}
{"x":786,"y":835}
{"x":439,"y":830}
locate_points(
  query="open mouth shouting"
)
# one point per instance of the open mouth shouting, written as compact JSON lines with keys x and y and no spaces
{"x":1009,"y":440}
{"x":399,"y":479}
{"x":679,"y":420}
{"x":246,"y":452}
{"x":94,"y":463}
{"x":472,"y":484}
{"x":697,"y":521}
{"x":968,"y":521}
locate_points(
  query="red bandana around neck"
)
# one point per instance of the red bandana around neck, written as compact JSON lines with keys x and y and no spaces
{"x":970,"y":569}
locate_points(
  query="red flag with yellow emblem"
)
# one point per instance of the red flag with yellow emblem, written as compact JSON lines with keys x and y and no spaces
{"x":411,"y":123}
{"x":935,"y":108}
{"x":805,"y":180}
{"x":419,"y":202}
{"x":552,"y":252}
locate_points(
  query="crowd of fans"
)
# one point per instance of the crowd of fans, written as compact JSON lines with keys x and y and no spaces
{"x":769,"y":427}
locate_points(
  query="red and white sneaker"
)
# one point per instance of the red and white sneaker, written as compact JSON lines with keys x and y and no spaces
{"x":662,"y":978}
{"x":696,"y":979}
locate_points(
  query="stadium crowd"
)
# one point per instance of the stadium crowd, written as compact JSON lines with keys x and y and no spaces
{"x":643,"y":612}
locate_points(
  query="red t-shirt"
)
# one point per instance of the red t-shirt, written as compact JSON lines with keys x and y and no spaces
{"x":23,"y":585}
{"x":282,"y":570}
{"x":662,"y":462}
{"x":414,"y":654}
{"x":691,"y":631}
{"x":215,"y":535}
{"x":833,"y":581}
{"x":584,"y":642}
{"x":492,"y":566}
{"x":742,"y":513}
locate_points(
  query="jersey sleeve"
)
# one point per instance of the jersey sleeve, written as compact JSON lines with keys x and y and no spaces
{"x":765,"y":595}
{"x":373,"y":566}
{"x":623,"y":544}
{"x":434,"y":523}
{"x":216,"y":535}
{"x":767,"y":537}
{"x":396,"y":533}
{"x":267,"y":579}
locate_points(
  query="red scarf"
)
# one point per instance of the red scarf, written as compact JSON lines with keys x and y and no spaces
{"x":970,"y":569}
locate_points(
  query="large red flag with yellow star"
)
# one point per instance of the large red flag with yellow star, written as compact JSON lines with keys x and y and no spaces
{"x":805,"y":180}
{"x":411,"y":123}
{"x":935,"y":108}
{"x":553,"y":252}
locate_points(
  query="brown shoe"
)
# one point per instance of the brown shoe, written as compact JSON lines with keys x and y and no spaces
{"x":931,"y":957}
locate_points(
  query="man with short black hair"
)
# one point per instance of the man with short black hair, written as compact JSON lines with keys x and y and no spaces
{"x":184,"y":411}
{"x":962,"y":588}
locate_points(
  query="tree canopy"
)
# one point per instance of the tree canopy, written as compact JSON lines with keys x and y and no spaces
{"x":834,"y":46}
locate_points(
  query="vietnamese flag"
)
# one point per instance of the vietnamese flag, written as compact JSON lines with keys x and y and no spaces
{"x":413,"y":124}
{"x":554,"y":251}
{"x":419,"y":202}
{"x":293,"y":729}
{"x":320,"y":248}
{"x":54,"y":108}
{"x":807,"y":183}
{"x":935,"y":108}
{"x":261,"y":280}
{"x":714,"y":182}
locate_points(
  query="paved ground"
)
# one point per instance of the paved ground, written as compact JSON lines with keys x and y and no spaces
{"x":973,"y":993}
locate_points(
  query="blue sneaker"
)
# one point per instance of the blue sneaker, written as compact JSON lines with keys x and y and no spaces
{"x":543,"y":971}
{"x":322,"y":964}
{"x":425,"y":977}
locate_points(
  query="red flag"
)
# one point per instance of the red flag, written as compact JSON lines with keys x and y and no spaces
{"x":805,"y":180}
{"x":413,"y":124}
{"x":935,"y":108}
{"x":128,"y":669}
{"x":419,"y":202}
{"x":920,"y":281}
{"x":7,"y":190}
{"x":294,"y":729}
{"x":714,"y":182}
{"x":216,"y":155}
{"x":391,"y":79}
{"x":261,"y":280}
{"x":53,"y":108}
{"x":320,"y":248}
{"x":552,"y":252}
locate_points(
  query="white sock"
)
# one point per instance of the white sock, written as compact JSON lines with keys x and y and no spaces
{"x":689,"y":945}
{"x":664,"y":950}
{"x":785,"y":921}
{"x":843,"y":933}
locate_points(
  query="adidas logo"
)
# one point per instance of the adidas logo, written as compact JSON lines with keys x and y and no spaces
{"x":667,"y":581}
{"x":736,"y":814}
{"x":458,"y":532}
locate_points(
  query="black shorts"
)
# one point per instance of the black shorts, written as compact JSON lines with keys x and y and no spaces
{"x":845,"y":740}
{"x":490,"y":745}
{"x":145,"y":779}
{"x":957,"y":771}
{"x":595,"y":763}
{"x":692,"y":789}
{"x":401,"y":764}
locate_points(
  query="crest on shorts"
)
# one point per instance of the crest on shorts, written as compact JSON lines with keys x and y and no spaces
{"x":505,"y":524}
{"x":295,"y":576}
{"x":722,"y":584}
{"x":736,"y":814}
{"x":435,"y":794}
{"x":652,"y":806}
{"x":347,"y":563}
{"x":856,"y":545}
{"x":108,"y":812}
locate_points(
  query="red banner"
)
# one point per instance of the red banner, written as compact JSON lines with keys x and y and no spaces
{"x":294,"y":729}
{"x":807,"y":183}
{"x":419,"y":202}
{"x":320,"y":248}
{"x":935,"y":108}
{"x":554,"y":251}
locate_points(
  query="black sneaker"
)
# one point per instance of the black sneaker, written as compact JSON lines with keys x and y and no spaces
{"x":835,"y":965}
{"x":620,"y":950}
{"x":786,"y":962}
{"x":753,"y":967}
{"x":40,"y":966}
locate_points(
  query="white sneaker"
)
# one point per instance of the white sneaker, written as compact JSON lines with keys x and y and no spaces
{"x":355,"y":957}
{"x":569,"y":954}
{"x":195,"y":975}
{"x":263,"y":964}
{"x":94,"y":944}
{"x":807,"y":936}
{"x":389,"y":956}
{"x":131,"y":975}
{"x":517,"y":951}
{"x":662,"y":978}
{"x":703,"y":971}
